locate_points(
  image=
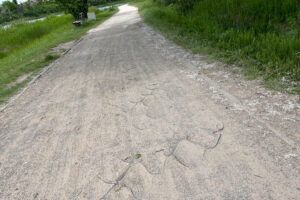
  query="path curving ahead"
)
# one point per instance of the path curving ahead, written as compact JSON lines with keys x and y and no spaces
{"x":123,"y":90}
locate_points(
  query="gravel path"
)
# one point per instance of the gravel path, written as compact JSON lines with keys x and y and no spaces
{"x":126,"y":114}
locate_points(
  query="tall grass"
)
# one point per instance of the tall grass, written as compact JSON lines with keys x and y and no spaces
{"x":261,"y":36}
{"x":22,"y":34}
{"x":27,"y":47}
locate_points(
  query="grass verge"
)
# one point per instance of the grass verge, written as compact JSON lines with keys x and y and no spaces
{"x":25,"y":48}
{"x":265,"y":44}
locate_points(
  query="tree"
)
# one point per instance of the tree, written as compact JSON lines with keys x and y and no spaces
{"x":11,"y":7}
{"x":15,"y":2}
{"x":75,"y":7}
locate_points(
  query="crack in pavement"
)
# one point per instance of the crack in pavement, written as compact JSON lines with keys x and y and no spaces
{"x":116,"y":182}
{"x":217,"y":133}
{"x":129,"y":188}
{"x":180,"y":161}
{"x":121,"y":177}
{"x":188,"y":138}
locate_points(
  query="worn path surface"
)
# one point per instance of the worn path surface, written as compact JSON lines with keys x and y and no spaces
{"x":125,"y":90}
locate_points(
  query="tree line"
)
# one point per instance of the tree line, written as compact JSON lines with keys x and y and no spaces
{"x":12,"y":10}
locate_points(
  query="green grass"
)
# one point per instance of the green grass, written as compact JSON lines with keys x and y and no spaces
{"x":262,"y":37}
{"x":22,"y":34}
{"x":24,"y":47}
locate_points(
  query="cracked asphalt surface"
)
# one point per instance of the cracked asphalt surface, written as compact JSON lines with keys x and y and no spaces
{"x":124,"y":90}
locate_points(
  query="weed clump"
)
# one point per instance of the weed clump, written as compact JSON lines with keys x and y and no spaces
{"x":50,"y":57}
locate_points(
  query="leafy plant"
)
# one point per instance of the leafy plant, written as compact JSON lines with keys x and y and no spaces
{"x":137,"y":156}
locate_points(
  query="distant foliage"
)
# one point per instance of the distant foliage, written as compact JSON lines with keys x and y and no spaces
{"x":75,"y":7}
{"x":39,"y":8}
{"x":12,"y":10}
{"x":99,"y":2}
{"x":165,"y":2}
{"x":10,"y":6}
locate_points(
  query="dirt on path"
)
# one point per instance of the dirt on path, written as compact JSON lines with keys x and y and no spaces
{"x":126,"y":114}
